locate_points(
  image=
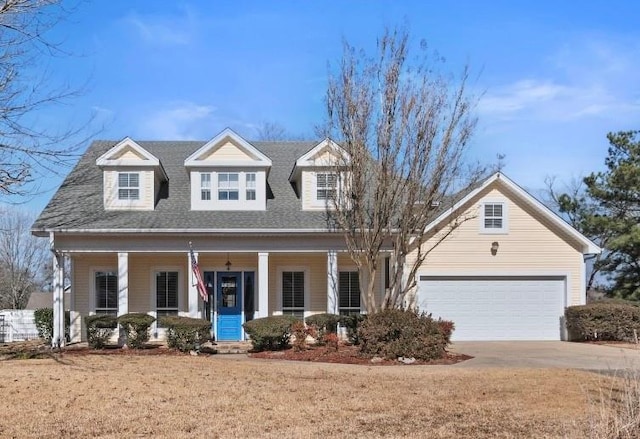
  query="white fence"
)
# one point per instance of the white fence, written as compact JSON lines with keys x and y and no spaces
{"x":17,"y":325}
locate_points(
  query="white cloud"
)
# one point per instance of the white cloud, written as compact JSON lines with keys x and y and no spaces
{"x":177,"y":29}
{"x":585,"y":79}
{"x":178,"y":121}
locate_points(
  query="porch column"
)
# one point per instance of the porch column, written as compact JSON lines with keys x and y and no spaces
{"x":193,"y":289}
{"x":58,"y":339}
{"x":263,"y":285}
{"x":332,"y":282}
{"x":75,"y":325}
{"x":123,"y":283}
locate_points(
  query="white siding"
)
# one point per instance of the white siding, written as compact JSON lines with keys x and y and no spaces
{"x":260,"y":203}
{"x":147,"y":189}
{"x":532,"y":246}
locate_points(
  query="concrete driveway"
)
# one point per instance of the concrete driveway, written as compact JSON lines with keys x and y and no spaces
{"x":547,"y":354}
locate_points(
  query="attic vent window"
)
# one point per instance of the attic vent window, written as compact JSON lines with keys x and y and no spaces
{"x":494,"y":217}
{"x":128,"y":186}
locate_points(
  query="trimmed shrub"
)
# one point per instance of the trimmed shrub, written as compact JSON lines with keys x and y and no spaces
{"x":270,"y":333}
{"x":447,"y":327}
{"x":351,"y":323}
{"x":186,"y":333}
{"x":322,"y":325}
{"x":100,"y":328}
{"x":395,"y":333}
{"x":300,"y":332}
{"x":331,"y":341}
{"x":603,"y":321}
{"x":44,"y":323}
{"x":136,"y":328}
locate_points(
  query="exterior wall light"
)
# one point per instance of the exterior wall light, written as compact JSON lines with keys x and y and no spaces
{"x":228,"y":263}
{"x":494,"y":247}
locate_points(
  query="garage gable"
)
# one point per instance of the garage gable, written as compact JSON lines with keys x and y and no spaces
{"x":490,"y":203}
{"x":507,"y":271}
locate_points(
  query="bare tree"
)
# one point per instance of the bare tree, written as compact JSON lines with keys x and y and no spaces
{"x":404,"y":129}
{"x":272,"y":131}
{"x":23,"y":259}
{"x":26,"y":147}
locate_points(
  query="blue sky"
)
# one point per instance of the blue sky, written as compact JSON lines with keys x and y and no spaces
{"x":554,"y":77}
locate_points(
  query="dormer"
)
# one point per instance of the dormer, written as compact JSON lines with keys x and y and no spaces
{"x":228,"y":173}
{"x":132,"y":177}
{"x":317,"y":174}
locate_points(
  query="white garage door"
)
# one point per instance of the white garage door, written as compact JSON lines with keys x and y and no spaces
{"x":496,"y":308}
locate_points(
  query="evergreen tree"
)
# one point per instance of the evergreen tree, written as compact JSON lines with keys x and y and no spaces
{"x":616,"y":212}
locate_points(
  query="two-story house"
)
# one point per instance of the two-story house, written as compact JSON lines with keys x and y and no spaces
{"x":255,"y":215}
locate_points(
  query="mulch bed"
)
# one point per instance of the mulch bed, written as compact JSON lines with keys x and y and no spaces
{"x":348,"y":355}
{"x":117,"y":350}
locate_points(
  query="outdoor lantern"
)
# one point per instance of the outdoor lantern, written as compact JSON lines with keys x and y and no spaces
{"x":494,"y":247}
{"x":228,"y":263}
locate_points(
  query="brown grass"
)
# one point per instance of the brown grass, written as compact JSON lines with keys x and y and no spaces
{"x":184,"y":396}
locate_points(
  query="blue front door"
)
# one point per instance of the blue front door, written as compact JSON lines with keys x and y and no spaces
{"x":229,"y":301}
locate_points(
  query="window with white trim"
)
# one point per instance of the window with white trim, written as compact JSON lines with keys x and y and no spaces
{"x":128,"y":186}
{"x":293,"y":293}
{"x":106,"y":290}
{"x":326,"y":185}
{"x":251,"y":185}
{"x":349,"y":293}
{"x":166,"y":293}
{"x":205,"y":186}
{"x":493,"y":217}
{"x":228,"y":187}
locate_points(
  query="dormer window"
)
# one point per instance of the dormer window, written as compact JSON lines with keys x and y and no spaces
{"x":236,"y":174}
{"x":251,"y":185}
{"x":326,"y":184}
{"x":228,"y":186}
{"x":132,"y":177}
{"x":205,"y":186}
{"x":128,"y":186}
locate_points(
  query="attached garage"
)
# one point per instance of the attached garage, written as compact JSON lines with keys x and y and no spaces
{"x":496,"y":307}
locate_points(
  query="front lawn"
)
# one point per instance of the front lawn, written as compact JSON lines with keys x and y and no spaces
{"x":225,"y":396}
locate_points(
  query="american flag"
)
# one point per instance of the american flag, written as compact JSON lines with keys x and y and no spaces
{"x":198,"y":276}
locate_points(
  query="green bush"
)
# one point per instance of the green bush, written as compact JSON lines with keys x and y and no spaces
{"x":323,"y":324}
{"x":270,"y":333}
{"x":603,"y":321}
{"x":395,"y":333}
{"x":100,"y":328}
{"x":44,"y":323}
{"x":136,"y":328}
{"x":186,"y":333}
{"x":351,"y":323}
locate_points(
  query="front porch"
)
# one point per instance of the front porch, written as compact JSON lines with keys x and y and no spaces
{"x":241,"y":286}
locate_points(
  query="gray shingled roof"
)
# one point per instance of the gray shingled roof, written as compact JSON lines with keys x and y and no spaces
{"x":78,"y":203}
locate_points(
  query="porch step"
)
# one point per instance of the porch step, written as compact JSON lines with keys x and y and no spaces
{"x":232,"y":347}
